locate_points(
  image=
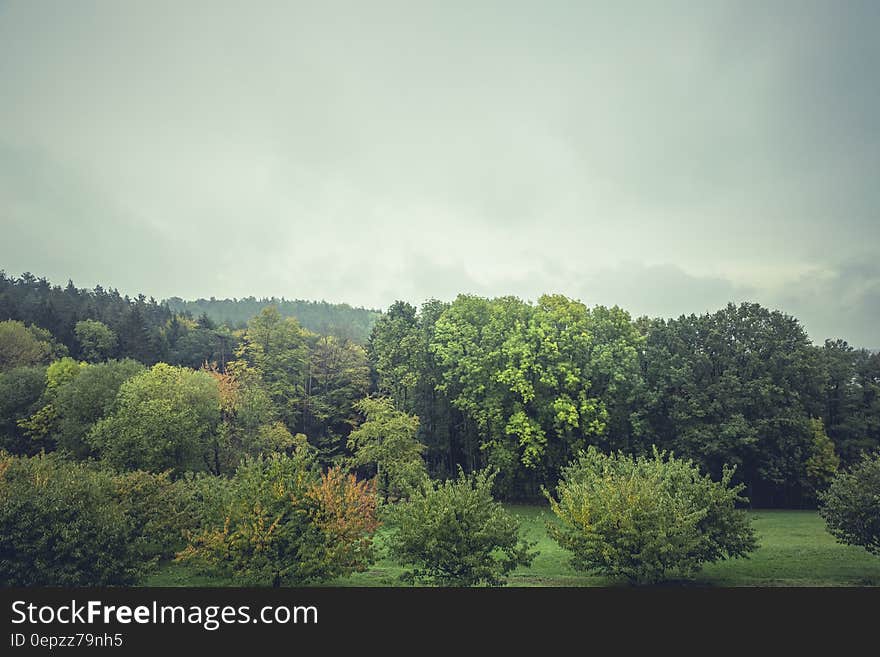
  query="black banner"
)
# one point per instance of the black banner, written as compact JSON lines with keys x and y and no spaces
{"x":118,"y":620}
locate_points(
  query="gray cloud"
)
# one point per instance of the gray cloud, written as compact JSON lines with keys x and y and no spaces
{"x":667,"y":157}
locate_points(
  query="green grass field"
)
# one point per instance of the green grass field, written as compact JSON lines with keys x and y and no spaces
{"x":795,"y":550}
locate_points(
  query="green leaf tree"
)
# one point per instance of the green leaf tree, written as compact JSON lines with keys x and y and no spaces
{"x":289,"y":524}
{"x":647,"y":519}
{"x":387,"y":441}
{"x":455,"y":533}
{"x":851,"y":505}
{"x":164,"y":418}
{"x":97,"y":341}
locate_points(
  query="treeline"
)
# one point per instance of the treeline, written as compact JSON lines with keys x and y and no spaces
{"x":523,"y":387}
{"x":520,"y":387}
{"x":337,"y":319}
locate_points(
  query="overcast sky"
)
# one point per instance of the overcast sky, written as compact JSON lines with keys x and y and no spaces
{"x":667,"y":157}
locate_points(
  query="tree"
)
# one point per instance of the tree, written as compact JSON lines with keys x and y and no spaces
{"x":288,"y":523}
{"x":21,"y":390}
{"x":161,"y":513}
{"x":736,"y":387}
{"x":249,"y":422}
{"x":24,"y":346}
{"x":164,"y":418}
{"x":455,"y":534}
{"x":851,"y":505}
{"x":646,"y":519}
{"x":42,"y":425}
{"x":97,"y":341}
{"x":387,"y":441}
{"x":85,"y":400}
{"x":61,"y":525}
{"x":823,"y":462}
{"x":276,"y":349}
{"x":337,"y":377}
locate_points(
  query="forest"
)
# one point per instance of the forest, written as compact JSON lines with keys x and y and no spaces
{"x":504,"y":396}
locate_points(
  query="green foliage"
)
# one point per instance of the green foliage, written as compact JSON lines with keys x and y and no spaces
{"x":340,"y":320}
{"x":276,"y":349}
{"x":737,"y":387}
{"x":851,"y":505}
{"x":25,"y":346}
{"x":454,"y":533}
{"x":647,"y":519}
{"x":248,"y":422}
{"x":823,"y":462}
{"x":61,"y":525}
{"x":42,"y":425}
{"x":162,"y":513}
{"x":287,"y":523}
{"x":164,"y":418}
{"x":97,"y":341}
{"x":387,"y":441}
{"x":338,"y":376}
{"x":21,"y":390}
{"x":86,"y":399}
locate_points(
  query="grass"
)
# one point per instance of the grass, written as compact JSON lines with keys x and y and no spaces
{"x":795,"y":550}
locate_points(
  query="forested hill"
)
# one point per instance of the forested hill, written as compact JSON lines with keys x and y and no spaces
{"x":338,"y":319}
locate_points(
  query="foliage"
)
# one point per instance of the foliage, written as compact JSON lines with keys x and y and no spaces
{"x":339,"y":320}
{"x":164,"y":418}
{"x":338,"y":376}
{"x":736,"y":387}
{"x":287,"y":523}
{"x":454,"y":533}
{"x":86,"y":399}
{"x":161,"y":513}
{"x":97,"y":341}
{"x":823,"y":462}
{"x":647,"y":519}
{"x":24,"y":346}
{"x":275,"y":349}
{"x":21,"y":390}
{"x":248,"y":421}
{"x":387,"y":441}
{"x":60,"y":525}
{"x":40,"y":426}
{"x":851,"y":505}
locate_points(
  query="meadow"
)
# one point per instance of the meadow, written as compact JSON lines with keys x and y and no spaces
{"x":795,"y":550}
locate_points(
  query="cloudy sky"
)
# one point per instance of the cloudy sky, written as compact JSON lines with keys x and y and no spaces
{"x":664,"y":156}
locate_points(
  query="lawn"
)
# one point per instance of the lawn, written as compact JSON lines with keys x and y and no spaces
{"x":795,"y":550}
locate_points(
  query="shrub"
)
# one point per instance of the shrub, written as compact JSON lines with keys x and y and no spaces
{"x":646,"y":519}
{"x":61,"y":525}
{"x":456,"y":534}
{"x":162,"y":513}
{"x":286,"y":523}
{"x":851,"y":505}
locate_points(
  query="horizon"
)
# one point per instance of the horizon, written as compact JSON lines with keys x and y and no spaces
{"x":817,"y":340}
{"x":667,"y":159}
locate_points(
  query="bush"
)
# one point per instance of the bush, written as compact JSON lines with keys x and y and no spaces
{"x":646,"y":519}
{"x":162,"y":513}
{"x":286,"y":523}
{"x":851,"y":505}
{"x":456,"y":534}
{"x":61,"y":525}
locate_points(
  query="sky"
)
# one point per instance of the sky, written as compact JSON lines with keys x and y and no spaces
{"x":667,"y":157}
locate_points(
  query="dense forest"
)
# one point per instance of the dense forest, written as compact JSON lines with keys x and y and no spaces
{"x":522,"y":387}
{"x":337,"y":319}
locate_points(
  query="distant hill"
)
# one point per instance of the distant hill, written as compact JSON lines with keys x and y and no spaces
{"x":318,"y":316}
